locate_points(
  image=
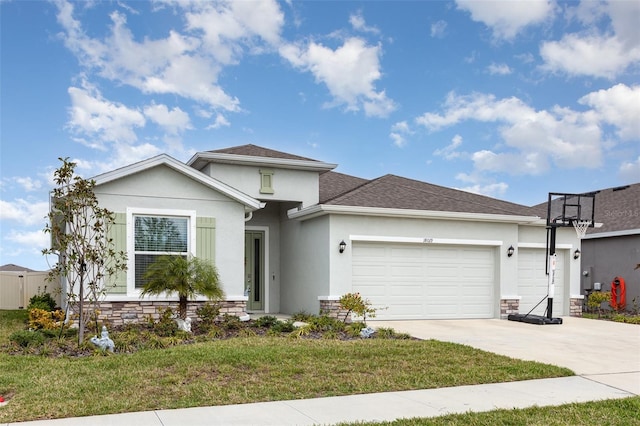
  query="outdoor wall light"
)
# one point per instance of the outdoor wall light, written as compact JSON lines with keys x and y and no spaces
{"x":510,"y":251}
{"x":342,"y":246}
{"x":576,"y":254}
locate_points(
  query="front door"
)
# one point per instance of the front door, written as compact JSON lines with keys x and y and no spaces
{"x":254,"y":269}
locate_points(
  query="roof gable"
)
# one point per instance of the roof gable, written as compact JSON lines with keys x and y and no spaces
{"x":166,"y":160}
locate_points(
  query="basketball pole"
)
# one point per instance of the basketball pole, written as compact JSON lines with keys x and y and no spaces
{"x":552,"y":271}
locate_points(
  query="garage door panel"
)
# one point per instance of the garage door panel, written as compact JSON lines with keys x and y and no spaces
{"x":533,"y":282}
{"x":426,"y":281}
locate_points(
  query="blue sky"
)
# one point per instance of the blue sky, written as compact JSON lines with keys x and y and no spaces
{"x":507,"y":99}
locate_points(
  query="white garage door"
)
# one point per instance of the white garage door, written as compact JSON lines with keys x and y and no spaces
{"x":533,"y":281}
{"x":425,"y":282}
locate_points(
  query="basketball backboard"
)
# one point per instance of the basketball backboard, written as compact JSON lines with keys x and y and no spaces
{"x":565,"y":209}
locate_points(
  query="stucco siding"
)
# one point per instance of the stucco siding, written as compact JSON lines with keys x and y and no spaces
{"x":288,"y":185}
{"x":305,"y":252}
{"x":162,"y":188}
{"x":605,"y":258}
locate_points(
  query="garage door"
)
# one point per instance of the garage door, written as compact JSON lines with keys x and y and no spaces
{"x":533,"y":281}
{"x":425,"y":282}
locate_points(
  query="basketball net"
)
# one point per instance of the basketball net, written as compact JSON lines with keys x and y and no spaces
{"x":581,"y":227}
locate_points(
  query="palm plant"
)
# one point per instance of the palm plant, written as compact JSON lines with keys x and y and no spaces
{"x":187,"y":276}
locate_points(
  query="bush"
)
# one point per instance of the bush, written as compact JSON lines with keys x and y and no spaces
{"x":42,"y":301}
{"x":208,"y":313}
{"x":26,"y":338}
{"x":353,"y":302}
{"x":166,"y":325}
{"x":267,"y":321}
{"x":595,"y":300}
{"x":41,"y":318}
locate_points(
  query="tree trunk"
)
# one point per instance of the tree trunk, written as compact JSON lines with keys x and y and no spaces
{"x":182,"y":307}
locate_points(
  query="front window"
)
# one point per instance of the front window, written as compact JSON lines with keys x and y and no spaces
{"x":156,"y":236}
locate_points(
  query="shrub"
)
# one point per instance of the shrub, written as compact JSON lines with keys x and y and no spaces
{"x":230,"y":322}
{"x":353,"y":302}
{"x":41,"y":318}
{"x":166,"y":325}
{"x":283,"y":326}
{"x":42,"y":301}
{"x":208,"y":313}
{"x":595,"y":300}
{"x":26,"y":338}
{"x":301,"y":316}
{"x":267,"y":321}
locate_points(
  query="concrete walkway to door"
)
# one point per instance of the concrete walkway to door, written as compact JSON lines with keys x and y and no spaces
{"x":603,"y":351}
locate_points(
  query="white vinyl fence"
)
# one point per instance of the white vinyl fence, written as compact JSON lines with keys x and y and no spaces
{"x":16,"y":288}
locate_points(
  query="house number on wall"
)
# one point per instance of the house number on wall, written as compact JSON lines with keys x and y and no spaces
{"x":427,"y":240}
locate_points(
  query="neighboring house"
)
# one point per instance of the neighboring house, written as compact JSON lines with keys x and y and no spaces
{"x":613,"y":250}
{"x":273,"y":224}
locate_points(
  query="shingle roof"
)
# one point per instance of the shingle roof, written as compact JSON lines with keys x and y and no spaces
{"x":10,"y":267}
{"x":618,"y":209}
{"x":258,"y":151}
{"x":396,"y":192}
{"x":333,"y":184}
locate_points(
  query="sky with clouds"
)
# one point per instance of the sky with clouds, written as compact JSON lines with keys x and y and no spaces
{"x":508,"y":99}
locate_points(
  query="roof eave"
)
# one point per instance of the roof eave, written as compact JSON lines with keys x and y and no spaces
{"x":250,"y":203}
{"x":200,"y":159}
{"x":324,"y":209}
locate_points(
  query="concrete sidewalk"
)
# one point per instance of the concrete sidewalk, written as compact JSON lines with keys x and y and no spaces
{"x":605,"y":355}
{"x":370,"y":407}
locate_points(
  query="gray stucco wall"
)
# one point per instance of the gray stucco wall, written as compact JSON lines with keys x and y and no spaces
{"x":606,"y":258}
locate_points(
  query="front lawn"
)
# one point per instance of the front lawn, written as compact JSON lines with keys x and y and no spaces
{"x":241,"y":370}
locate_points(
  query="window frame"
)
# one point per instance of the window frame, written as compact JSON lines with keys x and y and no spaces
{"x":132,"y":212}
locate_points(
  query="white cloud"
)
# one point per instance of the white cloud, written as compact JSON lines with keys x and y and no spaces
{"x":438,"y":29}
{"x":499,"y":69}
{"x":450,"y":151}
{"x":618,"y":106}
{"x":398,"y":132}
{"x":568,"y":138}
{"x":596,"y":56}
{"x":24,"y":212}
{"x":479,"y":185}
{"x":93,"y":116}
{"x":507,"y":18}
{"x":173,"y":122}
{"x":596,"y":51}
{"x":349,"y":72}
{"x":630,"y":171}
{"x":36,"y":240}
{"x":220,"y":33}
{"x":220,"y":121}
{"x":27,"y":183}
{"x":358,"y":23}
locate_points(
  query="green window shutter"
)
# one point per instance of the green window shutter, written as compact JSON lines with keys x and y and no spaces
{"x":118,"y":233}
{"x":206,"y":238}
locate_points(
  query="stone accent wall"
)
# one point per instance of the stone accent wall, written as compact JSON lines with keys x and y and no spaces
{"x":575,"y":306}
{"x":509,"y":306}
{"x":119,"y":313}
{"x":331,"y":308}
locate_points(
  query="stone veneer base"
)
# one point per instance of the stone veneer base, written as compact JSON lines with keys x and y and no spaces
{"x":120,"y":313}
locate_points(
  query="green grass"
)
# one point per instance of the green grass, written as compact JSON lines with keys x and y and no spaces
{"x":610,"y":412}
{"x":241,"y":370}
{"x":11,"y":321}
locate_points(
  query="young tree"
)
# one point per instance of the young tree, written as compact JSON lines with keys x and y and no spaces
{"x":187,"y":276}
{"x":79,"y":230}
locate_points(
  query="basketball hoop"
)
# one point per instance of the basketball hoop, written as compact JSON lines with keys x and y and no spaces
{"x":581,"y":227}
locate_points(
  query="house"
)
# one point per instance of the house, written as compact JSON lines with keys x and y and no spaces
{"x":289,"y":234}
{"x":613,"y":250}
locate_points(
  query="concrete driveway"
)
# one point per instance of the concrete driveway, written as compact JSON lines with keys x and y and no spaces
{"x":603,"y":351}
